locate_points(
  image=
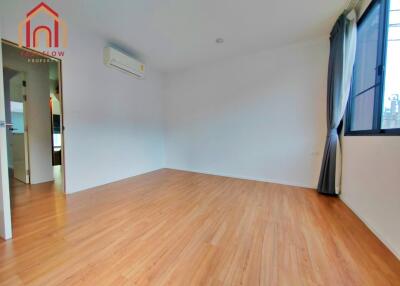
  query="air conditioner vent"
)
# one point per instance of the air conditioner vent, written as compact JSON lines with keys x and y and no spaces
{"x":118,"y":60}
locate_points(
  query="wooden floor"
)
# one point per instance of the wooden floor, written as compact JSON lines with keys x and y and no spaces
{"x":179,"y":228}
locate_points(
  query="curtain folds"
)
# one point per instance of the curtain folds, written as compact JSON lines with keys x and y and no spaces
{"x":343,"y":42}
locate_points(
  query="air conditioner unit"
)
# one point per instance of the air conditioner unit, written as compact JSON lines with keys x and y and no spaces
{"x":115,"y":59}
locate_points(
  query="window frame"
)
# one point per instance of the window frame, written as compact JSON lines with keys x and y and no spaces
{"x":379,"y":78}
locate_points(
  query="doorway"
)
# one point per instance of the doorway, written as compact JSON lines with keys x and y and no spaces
{"x":17,"y":135}
{"x":33,"y":121}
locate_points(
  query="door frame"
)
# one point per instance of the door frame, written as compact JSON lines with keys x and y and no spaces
{"x":4,"y":159}
{"x":6,"y":230}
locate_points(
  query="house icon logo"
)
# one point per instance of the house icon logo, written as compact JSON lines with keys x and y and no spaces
{"x":43,"y":28}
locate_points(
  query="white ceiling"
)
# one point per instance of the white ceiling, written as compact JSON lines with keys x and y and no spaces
{"x":175,"y":34}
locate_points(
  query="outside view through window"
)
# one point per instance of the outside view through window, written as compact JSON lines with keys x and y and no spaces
{"x":391,"y":106}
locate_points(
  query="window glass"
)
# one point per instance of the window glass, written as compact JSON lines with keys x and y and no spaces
{"x":56,"y":140}
{"x":367,"y":52}
{"x":391,"y":99}
{"x":362,"y":111}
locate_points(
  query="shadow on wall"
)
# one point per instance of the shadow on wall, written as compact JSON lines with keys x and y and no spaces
{"x":244,"y":119}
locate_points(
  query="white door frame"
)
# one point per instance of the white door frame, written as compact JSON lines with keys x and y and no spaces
{"x":5,"y":205}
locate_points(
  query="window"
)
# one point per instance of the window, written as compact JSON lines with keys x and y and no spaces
{"x":374,"y":104}
{"x":17,"y":117}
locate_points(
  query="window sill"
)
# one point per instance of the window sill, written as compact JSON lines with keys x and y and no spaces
{"x":385,"y":132}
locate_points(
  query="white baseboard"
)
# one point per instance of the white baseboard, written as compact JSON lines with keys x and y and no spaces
{"x":374,"y":231}
{"x":279,"y":182}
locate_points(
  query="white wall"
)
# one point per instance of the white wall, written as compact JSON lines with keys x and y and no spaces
{"x":38,"y":113}
{"x":113,"y":122}
{"x":259,"y":117}
{"x":370,"y":183}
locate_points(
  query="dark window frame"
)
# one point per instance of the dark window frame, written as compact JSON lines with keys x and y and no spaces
{"x":379,"y":80}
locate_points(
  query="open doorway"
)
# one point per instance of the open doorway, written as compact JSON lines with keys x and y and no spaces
{"x":33,"y":105}
{"x":17,"y":135}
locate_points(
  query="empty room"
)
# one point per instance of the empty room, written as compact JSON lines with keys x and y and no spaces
{"x":188,"y":142}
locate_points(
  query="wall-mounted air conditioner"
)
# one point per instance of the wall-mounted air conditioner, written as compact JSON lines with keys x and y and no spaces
{"x":115,"y":59}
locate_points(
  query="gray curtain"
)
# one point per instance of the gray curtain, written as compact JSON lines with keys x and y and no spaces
{"x":341,"y":61}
